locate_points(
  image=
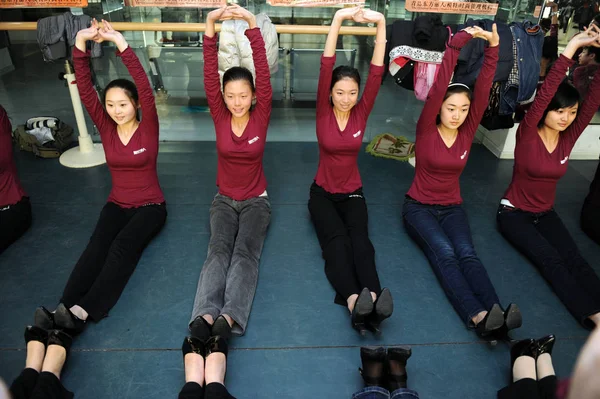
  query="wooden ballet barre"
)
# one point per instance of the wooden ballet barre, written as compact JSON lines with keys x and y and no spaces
{"x":182,"y":27}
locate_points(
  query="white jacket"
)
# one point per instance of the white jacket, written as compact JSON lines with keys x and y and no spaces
{"x":234,"y":46}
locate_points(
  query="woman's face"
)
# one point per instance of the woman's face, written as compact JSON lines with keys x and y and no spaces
{"x":560,"y":119}
{"x":344,"y":94}
{"x":238,"y":97}
{"x":454,"y":110}
{"x":119,"y":106}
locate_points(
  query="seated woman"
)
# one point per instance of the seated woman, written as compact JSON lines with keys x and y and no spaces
{"x":136,"y":210}
{"x":526,"y":215}
{"x":47,"y":352}
{"x":15,"y":209}
{"x":337,"y":204}
{"x":241,"y":211}
{"x":432,"y":213}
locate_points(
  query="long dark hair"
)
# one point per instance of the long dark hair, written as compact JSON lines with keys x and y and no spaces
{"x":566,"y":96}
{"x":238,"y":73}
{"x":130,"y":91}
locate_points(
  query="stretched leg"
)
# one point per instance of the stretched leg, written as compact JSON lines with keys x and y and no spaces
{"x":124,"y":253}
{"x":14,"y":222}
{"x":423,"y":226}
{"x":242,"y":277}
{"x":215,"y":368}
{"x":590,"y":221}
{"x":210,"y":293}
{"x":455,"y":224}
{"x":49,"y":385}
{"x":24,"y":385}
{"x":521,"y":229}
{"x":355,"y":216}
{"x":112,"y":220}
{"x":335,"y":244}
{"x":552,"y":227}
{"x":194,"y":369}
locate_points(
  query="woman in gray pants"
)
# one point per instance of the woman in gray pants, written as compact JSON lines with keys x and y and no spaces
{"x":240,"y":212}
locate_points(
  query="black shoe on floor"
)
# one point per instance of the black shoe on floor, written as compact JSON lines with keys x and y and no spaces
{"x":66,"y":320}
{"x":35,"y":333}
{"x":362,"y":309}
{"x":200,"y":328}
{"x":43,"y":318}
{"x":382,"y":309}
{"x":545,"y":345}
{"x":493,"y":320}
{"x":193,"y":345}
{"x":221,"y":328}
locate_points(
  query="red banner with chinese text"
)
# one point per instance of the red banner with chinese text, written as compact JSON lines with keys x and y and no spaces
{"x":176,"y":3}
{"x":313,"y":3}
{"x":451,"y":7}
{"x":42,"y":3}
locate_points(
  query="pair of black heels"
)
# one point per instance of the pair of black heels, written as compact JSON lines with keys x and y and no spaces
{"x":498,"y":322}
{"x":202,"y":330}
{"x":48,"y":337}
{"x":214,"y":344}
{"x":62,"y":318}
{"x":532,"y":348}
{"x":368,"y":315}
{"x":378,"y":366}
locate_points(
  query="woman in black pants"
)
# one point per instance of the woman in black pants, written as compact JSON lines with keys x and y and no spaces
{"x":532,"y":370}
{"x":135,"y":211}
{"x":46,"y":355}
{"x":15,"y":209}
{"x":205,"y":363}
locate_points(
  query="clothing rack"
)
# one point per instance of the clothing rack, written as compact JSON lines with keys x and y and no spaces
{"x":183,"y":27}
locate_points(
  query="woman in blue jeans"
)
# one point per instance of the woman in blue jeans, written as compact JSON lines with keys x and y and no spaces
{"x":384,"y":374}
{"x":432,"y":212}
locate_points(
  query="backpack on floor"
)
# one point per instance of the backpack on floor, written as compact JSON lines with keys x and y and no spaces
{"x":60,"y":140}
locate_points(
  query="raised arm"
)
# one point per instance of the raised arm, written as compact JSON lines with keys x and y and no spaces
{"x":586,"y":110}
{"x":131,"y":61}
{"x":555,"y":77}
{"x":87,"y":92}
{"x":436,"y":94}
{"x":263,"y":89}
{"x":376,"y":70}
{"x":212,"y":81}
{"x":484,"y":82}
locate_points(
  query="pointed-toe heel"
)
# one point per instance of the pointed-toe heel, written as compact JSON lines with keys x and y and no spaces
{"x":382,"y":309}
{"x":200,"y":328}
{"x":193,"y":345}
{"x":512,"y":317}
{"x":67,"y":321}
{"x":493,"y":320}
{"x":35,"y":333}
{"x":526,"y":347}
{"x":362,"y":309}
{"x":43,"y":318}
{"x":546,"y":344}
{"x":221,"y":328}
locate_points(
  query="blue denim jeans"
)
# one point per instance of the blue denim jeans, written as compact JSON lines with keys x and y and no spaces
{"x":230,"y":273}
{"x":381,"y":393}
{"x":444,"y":235}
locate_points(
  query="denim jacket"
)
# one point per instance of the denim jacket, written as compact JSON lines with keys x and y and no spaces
{"x":528,"y":39}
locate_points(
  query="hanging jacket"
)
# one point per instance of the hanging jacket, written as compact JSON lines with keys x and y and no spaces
{"x":470,"y":59}
{"x":234,"y":46}
{"x":528,"y":40}
{"x":56,"y":35}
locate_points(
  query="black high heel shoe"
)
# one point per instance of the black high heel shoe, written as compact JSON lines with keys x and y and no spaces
{"x":35,"y":333}
{"x":526,"y":347}
{"x":60,"y":338}
{"x":43,"y":318}
{"x":512,"y":317}
{"x":221,"y":328}
{"x":373,"y":366}
{"x":66,"y":320}
{"x":493,"y":320}
{"x":193,"y":345}
{"x":545,"y":345}
{"x":383,"y":307}
{"x":217,"y":344}
{"x":200,"y":328}
{"x":399,"y":354}
{"x":362,"y":309}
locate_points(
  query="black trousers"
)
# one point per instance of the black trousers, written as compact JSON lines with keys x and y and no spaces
{"x":214,"y":390}
{"x":33,"y":385}
{"x":545,"y":240}
{"x":104,"y":268}
{"x":528,"y":388}
{"x":15,"y":220}
{"x":341,"y":222}
{"x":590,"y":221}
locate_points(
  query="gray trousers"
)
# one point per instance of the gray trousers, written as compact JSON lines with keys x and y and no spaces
{"x":230,"y":273}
